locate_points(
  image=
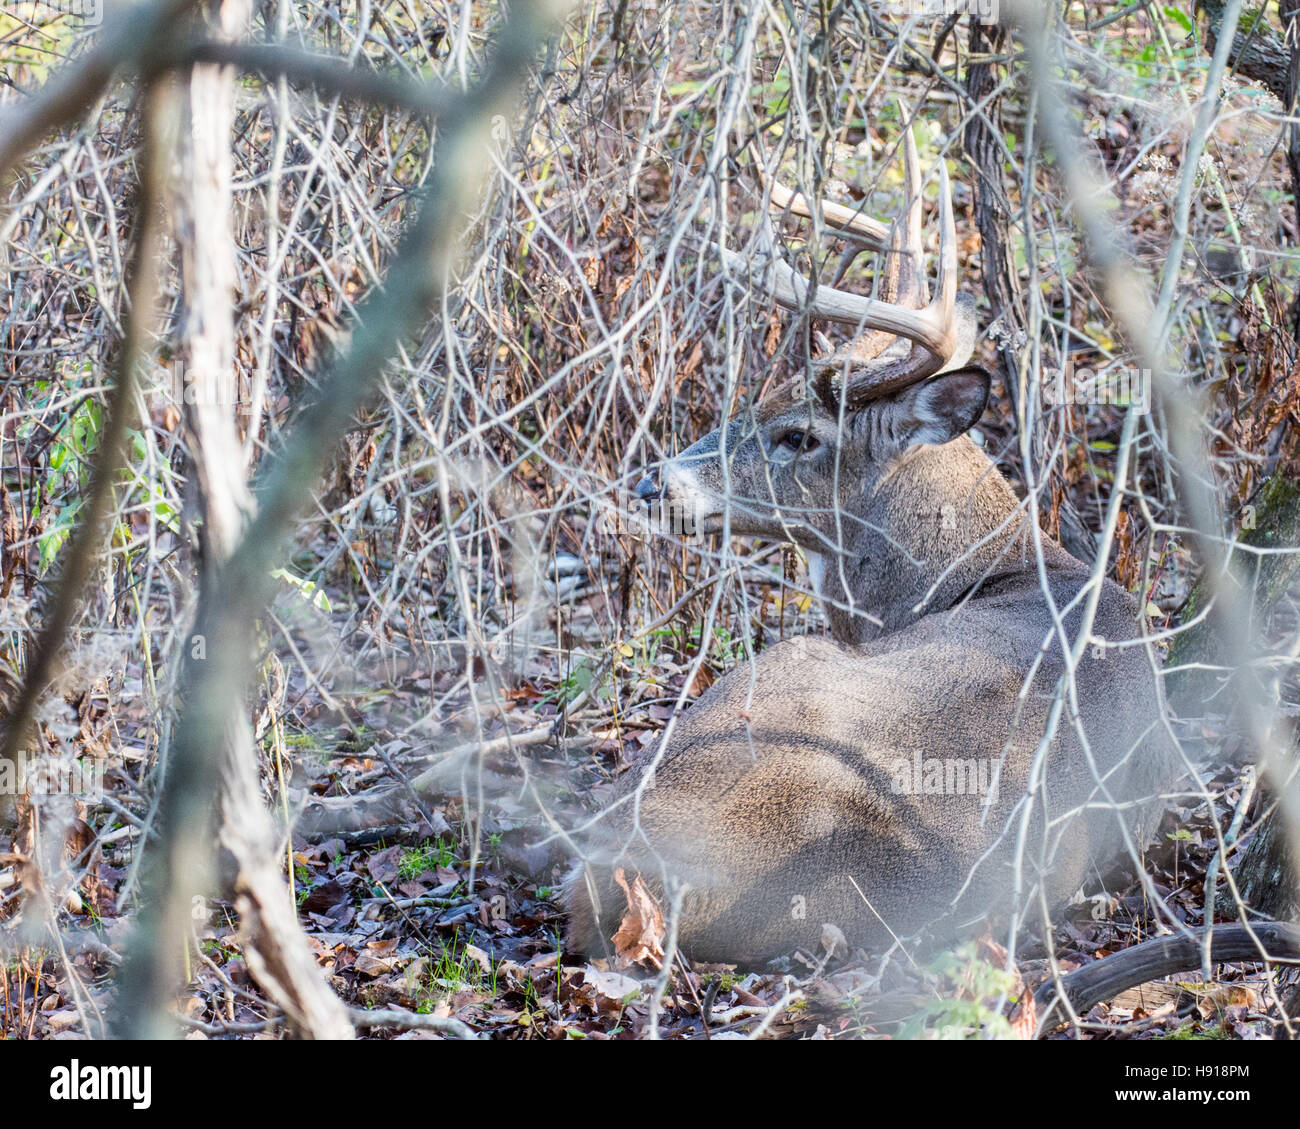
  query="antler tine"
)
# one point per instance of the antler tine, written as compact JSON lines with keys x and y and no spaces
{"x":790,"y":290}
{"x":947,"y":250}
{"x":848,"y":221}
{"x":942,"y":331}
{"x":949,"y":335}
{"x":912,"y":277}
{"x":925,"y":326}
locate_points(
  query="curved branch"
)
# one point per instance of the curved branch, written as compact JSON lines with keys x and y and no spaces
{"x":1268,"y":940}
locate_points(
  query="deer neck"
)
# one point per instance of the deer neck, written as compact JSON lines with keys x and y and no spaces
{"x":940,"y":522}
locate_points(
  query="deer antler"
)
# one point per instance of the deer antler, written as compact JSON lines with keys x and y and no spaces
{"x":847,"y":220}
{"x":942,"y":330}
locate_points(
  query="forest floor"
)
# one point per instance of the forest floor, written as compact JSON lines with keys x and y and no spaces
{"x":422,"y":911}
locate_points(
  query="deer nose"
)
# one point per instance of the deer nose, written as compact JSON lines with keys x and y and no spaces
{"x":648,"y":491}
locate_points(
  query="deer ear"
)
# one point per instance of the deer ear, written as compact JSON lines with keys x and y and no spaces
{"x":947,"y":405}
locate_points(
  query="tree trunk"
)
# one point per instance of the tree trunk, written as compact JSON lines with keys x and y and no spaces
{"x":1257,"y":50}
{"x":983,"y":143}
{"x":1266,"y":876}
{"x":1272,"y":522}
{"x":276,"y":949}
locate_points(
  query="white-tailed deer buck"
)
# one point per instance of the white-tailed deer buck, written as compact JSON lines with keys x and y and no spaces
{"x":954,"y":749}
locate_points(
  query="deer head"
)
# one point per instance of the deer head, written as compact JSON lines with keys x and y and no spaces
{"x":864,"y":461}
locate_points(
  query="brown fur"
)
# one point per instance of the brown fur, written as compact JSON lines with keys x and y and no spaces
{"x":773,"y":797}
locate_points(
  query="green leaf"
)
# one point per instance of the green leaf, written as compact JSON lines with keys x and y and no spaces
{"x":306,"y":589}
{"x":52,"y":540}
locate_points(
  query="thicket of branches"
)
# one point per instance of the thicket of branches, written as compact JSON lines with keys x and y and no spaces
{"x":463,"y":580}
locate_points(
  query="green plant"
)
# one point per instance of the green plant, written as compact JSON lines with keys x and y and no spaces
{"x":725,"y":648}
{"x":303,"y":877}
{"x":361,"y":739}
{"x":455,"y":970}
{"x":428,"y":856}
{"x":966,"y":982}
{"x":306,"y":589}
{"x":75,"y":440}
{"x":1193,"y":1032}
{"x":577,"y":682}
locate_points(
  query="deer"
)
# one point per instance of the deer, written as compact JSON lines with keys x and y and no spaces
{"x":980,"y":729}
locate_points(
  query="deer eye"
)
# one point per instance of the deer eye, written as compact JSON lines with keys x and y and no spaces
{"x":799,"y":441}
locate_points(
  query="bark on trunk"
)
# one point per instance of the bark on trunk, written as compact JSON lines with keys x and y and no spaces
{"x":1266,"y":877}
{"x":983,"y":143}
{"x":1275,"y":522}
{"x":274,"y":944}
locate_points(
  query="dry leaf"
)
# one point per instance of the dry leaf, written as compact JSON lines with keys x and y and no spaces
{"x":612,"y":985}
{"x":370,"y":966}
{"x":834,"y":941}
{"x":479,"y":957}
{"x":1024,"y":1017}
{"x":1128,"y":566}
{"x":704,"y":678}
{"x":640,"y":934}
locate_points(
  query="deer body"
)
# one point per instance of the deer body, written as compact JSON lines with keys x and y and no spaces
{"x":896,"y":775}
{"x":778,"y":806}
